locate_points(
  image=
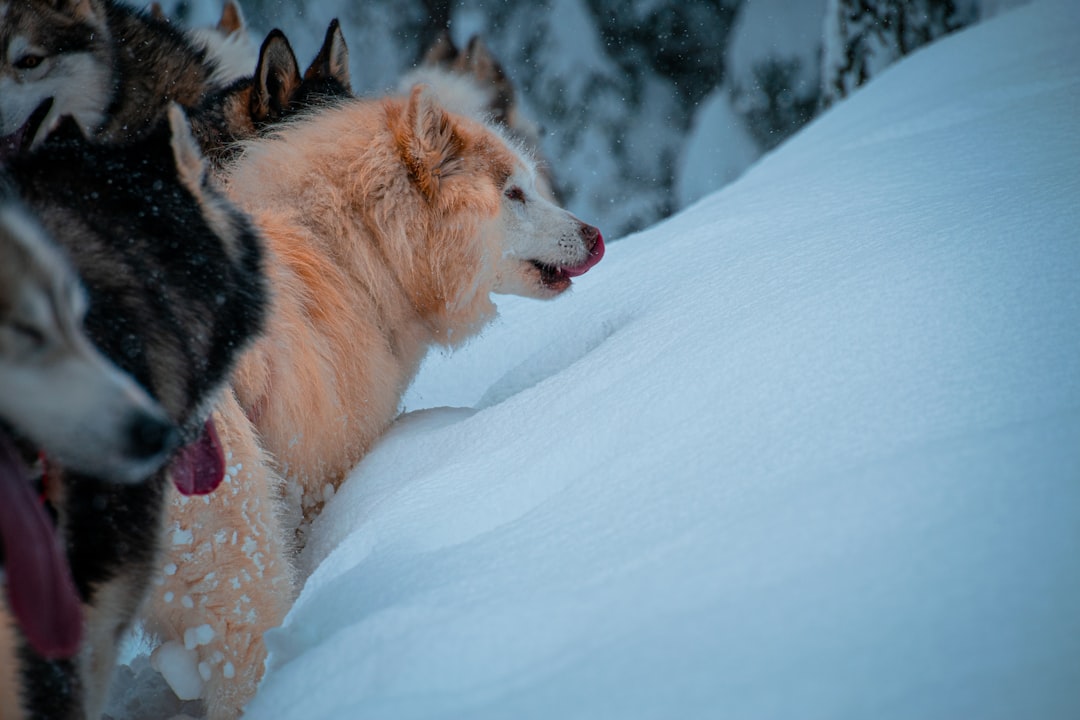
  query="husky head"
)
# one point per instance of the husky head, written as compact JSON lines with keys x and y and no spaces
{"x":453,"y":161}
{"x":172,"y":269}
{"x":55,"y":49}
{"x":56,"y":389}
{"x":276,"y":92}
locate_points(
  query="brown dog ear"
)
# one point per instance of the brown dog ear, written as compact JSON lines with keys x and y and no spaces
{"x":232,"y":19}
{"x":276,"y":78}
{"x":157,"y":12}
{"x":442,"y":51}
{"x":332,"y":61}
{"x":428,"y":142}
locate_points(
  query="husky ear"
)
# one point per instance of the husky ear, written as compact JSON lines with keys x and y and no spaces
{"x":157,"y":12}
{"x":442,"y":51}
{"x":478,"y":61}
{"x":428,"y":141}
{"x":190,"y":165}
{"x":276,"y":78}
{"x":232,"y":19}
{"x":333,"y":58}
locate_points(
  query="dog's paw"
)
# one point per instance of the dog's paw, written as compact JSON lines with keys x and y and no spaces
{"x":180,"y":668}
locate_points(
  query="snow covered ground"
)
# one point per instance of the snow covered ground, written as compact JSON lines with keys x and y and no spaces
{"x":810,"y":448}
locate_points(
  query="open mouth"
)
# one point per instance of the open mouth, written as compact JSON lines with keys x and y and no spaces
{"x":558,"y":277}
{"x":20,"y":140}
{"x":38,"y":583}
{"x":553,"y":277}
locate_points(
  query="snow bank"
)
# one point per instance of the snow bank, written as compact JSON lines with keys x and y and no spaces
{"x":808,"y":449}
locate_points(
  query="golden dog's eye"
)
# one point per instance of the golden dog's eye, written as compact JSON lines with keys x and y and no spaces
{"x":516,"y":193}
{"x":29,"y":62}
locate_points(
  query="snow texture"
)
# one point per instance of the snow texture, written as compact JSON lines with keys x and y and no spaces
{"x":810,"y":448}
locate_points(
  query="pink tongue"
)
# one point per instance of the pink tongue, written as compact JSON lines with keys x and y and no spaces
{"x":595,"y":256}
{"x":200,"y":467}
{"x":40,"y":590}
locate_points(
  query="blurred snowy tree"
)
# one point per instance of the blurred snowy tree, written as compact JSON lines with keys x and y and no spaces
{"x":682,"y":42}
{"x":776,"y":109}
{"x":862,"y":37}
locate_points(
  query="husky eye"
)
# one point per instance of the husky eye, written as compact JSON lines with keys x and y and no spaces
{"x":515,"y":193}
{"x":29,"y":62}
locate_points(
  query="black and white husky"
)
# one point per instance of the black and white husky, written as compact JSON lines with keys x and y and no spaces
{"x":175,"y":292}
{"x":61,"y":396}
{"x":112,"y":68}
{"x":56,"y":388}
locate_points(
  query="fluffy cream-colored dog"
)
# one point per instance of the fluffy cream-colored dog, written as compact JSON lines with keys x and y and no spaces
{"x":388,"y":225}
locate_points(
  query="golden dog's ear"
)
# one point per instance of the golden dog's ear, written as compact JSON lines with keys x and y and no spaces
{"x":332,"y":62}
{"x":276,"y":78}
{"x":428,"y":142}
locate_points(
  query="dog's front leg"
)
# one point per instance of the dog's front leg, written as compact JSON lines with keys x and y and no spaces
{"x":227,"y":576}
{"x":112,"y":533}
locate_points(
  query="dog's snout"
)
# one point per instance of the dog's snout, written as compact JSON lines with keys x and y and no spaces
{"x":151,"y":435}
{"x":590,"y":235}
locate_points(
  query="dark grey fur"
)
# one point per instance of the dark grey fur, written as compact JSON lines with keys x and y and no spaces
{"x":174,"y":297}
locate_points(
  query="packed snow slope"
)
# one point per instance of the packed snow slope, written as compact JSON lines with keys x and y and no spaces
{"x":809,"y":449}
